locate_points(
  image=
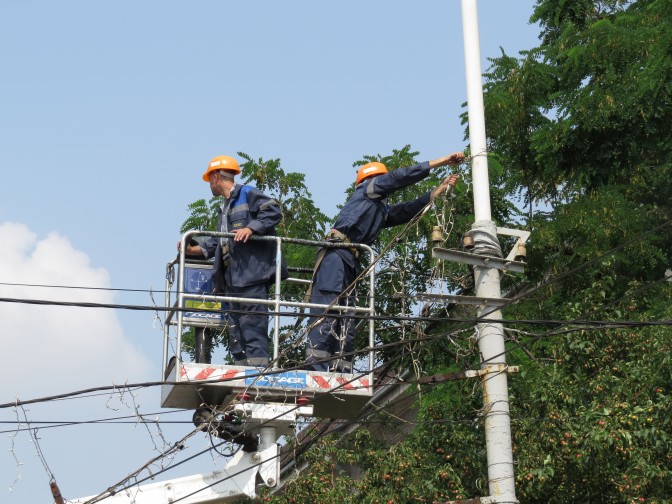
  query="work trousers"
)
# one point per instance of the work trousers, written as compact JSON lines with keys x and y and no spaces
{"x":330,"y":337}
{"x":248,"y":331}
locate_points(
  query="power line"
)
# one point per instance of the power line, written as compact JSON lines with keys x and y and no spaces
{"x":548,"y":282}
{"x":81,"y":287}
{"x":134,"y":386}
{"x":121,"y":420}
{"x":393,"y":318}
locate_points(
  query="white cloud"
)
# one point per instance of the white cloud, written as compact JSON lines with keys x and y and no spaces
{"x":49,"y":350}
{"x":55,"y":349}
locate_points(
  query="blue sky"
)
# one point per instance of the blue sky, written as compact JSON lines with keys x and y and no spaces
{"x":109,"y":114}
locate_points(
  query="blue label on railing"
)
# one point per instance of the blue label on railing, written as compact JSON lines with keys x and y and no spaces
{"x":288,"y":379}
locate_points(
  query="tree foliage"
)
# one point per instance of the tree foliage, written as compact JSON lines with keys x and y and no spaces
{"x":580,"y":121}
{"x":591,"y":105}
{"x":580,"y":124}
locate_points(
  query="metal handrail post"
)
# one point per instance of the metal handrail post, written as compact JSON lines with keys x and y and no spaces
{"x":166,"y":326}
{"x":180,"y":300}
{"x":372,"y":309}
{"x":276,"y":317}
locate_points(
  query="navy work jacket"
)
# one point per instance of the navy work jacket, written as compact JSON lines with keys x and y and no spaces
{"x":366,"y":213}
{"x":253,"y":262}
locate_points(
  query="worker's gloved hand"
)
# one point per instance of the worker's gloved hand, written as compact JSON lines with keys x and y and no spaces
{"x":456,"y":158}
{"x":446,"y":183}
{"x":191,"y":250}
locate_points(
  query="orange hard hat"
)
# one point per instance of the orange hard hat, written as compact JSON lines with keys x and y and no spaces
{"x":221,"y":163}
{"x":369,"y":170}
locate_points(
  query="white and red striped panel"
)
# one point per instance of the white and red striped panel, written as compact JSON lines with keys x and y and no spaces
{"x":313,"y":381}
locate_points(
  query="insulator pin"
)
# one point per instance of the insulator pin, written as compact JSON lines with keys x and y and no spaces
{"x":521,"y":253}
{"x":468,"y":242}
{"x":437,"y":235}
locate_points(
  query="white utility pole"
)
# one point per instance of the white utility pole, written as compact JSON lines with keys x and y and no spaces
{"x":493,"y":367}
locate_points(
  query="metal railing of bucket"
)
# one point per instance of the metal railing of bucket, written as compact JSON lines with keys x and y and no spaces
{"x":175,"y":316}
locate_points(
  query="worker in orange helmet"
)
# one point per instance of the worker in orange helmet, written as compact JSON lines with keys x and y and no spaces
{"x":361,"y":220}
{"x":243,"y":268}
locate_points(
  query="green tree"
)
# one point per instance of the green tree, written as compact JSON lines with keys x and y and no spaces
{"x":580,"y":123}
{"x":591,"y":106}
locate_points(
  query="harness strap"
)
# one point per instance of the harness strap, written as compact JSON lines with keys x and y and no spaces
{"x":334,"y":236}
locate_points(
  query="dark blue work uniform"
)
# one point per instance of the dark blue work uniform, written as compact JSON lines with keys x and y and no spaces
{"x":361,"y":220}
{"x":245,"y":270}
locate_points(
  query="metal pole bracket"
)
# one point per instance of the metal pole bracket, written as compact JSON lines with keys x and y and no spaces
{"x":493,"y":369}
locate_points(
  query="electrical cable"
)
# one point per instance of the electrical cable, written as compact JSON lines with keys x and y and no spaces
{"x":140,"y":385}
{"x":79,"y":287}
{"x":393,"y":318}
{"x":551,"y":281}
{"x":36,"y":443}
{"x":122,"y":420}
